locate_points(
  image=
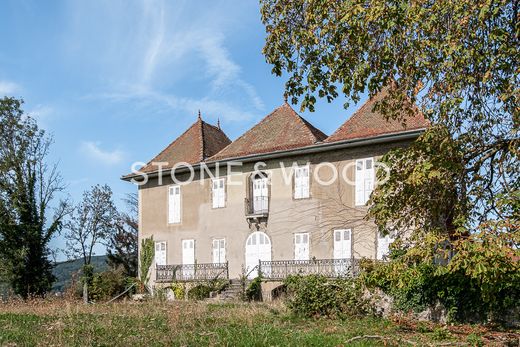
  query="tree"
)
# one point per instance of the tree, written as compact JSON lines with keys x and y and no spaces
{"x":28,"y":188}
{"x":458,"y":61}
{"x":122,"y":243}
{"x":89,"y":225}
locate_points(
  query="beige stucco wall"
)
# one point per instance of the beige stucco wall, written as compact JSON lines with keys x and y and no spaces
{"x":329,"y":208}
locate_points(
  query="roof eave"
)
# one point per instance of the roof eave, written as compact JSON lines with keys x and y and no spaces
{"x":316,"y":148}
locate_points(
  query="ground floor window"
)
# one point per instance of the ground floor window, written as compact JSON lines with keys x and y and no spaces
{"x":160,"y":253}
{"x":219,"y":251}
{"x":258,"y":247}
{"x":301,"y":246}
{"x":383,"y":245}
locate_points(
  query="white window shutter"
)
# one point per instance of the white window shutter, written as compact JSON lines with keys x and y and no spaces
{"x":301,"y":182}
{"x":214,"y":194}
{"x":218,"y":193}
{"x":305,"y":182}
{"x":369,"y":178}
{"x":297,"y":187}
{"x":174,"y":205}
{"x":171,"y":205}
{"x":222,"y":197}
{"x":360,"y":189}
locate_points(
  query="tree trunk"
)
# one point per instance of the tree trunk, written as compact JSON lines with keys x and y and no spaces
{"x":85,"y":292}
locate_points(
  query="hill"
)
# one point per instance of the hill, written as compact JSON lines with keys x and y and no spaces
{"x":64,"y":270}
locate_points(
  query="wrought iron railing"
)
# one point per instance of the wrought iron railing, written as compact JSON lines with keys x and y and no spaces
{"x":332,"y":268}
{"x":258,"y":205}
{"x":191,"y":272}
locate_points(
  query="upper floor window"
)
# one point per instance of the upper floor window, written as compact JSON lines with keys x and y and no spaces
{"x":364,"y":180}
{"x":383,"y":245}
{"x":301,"y":182}
{"x":218,"y":193}
{"x":260,"y":193}
{"x":174,"y":204}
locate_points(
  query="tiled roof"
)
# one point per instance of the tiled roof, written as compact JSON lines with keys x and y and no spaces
{"x":282,"y":129}
{"x":365,"y":123}
{"x":200,"y":141}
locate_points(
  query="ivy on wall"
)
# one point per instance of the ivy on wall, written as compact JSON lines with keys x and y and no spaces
{"x":146,"y":258}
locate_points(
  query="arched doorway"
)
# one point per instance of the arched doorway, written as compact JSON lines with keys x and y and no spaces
{"x":258,"y":247}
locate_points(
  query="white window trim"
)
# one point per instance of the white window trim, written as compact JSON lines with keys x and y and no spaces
{"x":218,"y":239}
{"x":214,"y":202}
{"x":171,"y":219}
{"x":357,"y":201}
{"x":308,"y":244}
{"x":308,"y":195}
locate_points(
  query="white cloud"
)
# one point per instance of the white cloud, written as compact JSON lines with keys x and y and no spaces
{"x":169,"y":45}
{"x":8,"y":88}
{"x":95,"y":152}
{"x":42,"y":113}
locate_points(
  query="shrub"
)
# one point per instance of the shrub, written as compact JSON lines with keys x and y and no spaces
{"x":480,"y":283}
{"x":199,"y":292}
{"x":315,"y":295}
{"x":254,"y":290}
{"x":203,"y":290}
{"x":179,"y":290}
{"x":106,"y":285}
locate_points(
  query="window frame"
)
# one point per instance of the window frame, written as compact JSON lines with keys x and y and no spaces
{"x":224,"y":193}
{"x":363,"y":199}
{"x":171,"y":218}
{"x":308,"y":183}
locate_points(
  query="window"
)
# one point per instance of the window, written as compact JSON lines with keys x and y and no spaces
{"x":160,"y":253}
{"x":364,"y":180}
{"x":174,"y":204}
{"x":383,"y":246}
{"x":219,"y":251}
{"x":301,"y":182}
{"x":218,"y":193}
{"x":301,"y":246}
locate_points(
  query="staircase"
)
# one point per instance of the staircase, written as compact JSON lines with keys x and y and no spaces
{"x":232,"y":292}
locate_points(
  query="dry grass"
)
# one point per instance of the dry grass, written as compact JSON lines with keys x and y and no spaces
{"x":65,"y":323}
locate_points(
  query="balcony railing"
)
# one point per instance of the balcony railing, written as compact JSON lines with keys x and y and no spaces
{"x":331,"y":268}
{"x":191,"y":272}
{"x":258,"y":206}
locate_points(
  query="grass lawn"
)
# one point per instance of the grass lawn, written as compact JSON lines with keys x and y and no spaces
{"x":60,"y":323}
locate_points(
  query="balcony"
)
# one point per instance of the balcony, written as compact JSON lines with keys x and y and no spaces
{"x":257,"y":207}
{"x":191,"y":272}
{"x":279,"y":270}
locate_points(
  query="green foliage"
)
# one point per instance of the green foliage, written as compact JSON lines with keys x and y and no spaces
{"x":315,"y":295}
{"x":63,"y":271}
{"x":123,"y":240}
{"x":203,"y":290}
{"x":422,"y":191}
{"x":147,"y":255}
{"x":199,"y":292}
{"x":440,"y":334}
{"x":28,"y":186}
{"x":179,"y":290}
{"x":108,"y":284}
{"x":481,"y":281}
{"x":474,"y":340}
{"x":456,"y":62}
{"x":254,"y":290}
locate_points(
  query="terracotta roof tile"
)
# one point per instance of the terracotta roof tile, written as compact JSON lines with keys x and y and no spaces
{"x":200,"y":141}
{"x":367,"y":123}
{"x":282,"y":129}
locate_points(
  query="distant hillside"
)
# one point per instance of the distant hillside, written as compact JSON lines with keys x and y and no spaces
{"x":64,"y":270}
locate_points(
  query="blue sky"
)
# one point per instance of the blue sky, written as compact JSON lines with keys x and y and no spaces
{"x":115,"y":81}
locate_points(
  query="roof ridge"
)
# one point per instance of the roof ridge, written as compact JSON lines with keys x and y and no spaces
{"x":201,"y":137}
{"x":248,"y":131}
{"x":355,"y":113}
{"x":308,"y":125}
